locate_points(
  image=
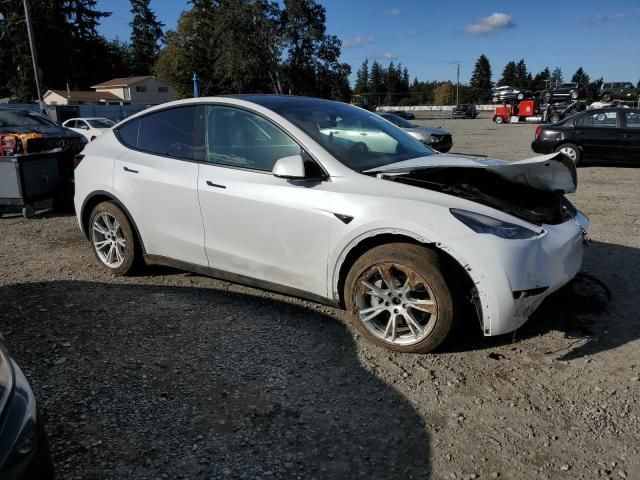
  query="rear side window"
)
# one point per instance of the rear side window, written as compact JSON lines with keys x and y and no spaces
{"x":175,"y":132}
{"x":632,"y":119}
{"x":598,"y":119}
{"x":128,"y":133}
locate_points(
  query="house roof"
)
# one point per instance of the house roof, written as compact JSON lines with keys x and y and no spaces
{"x":85,"y":95}
{"x":122,"y":82}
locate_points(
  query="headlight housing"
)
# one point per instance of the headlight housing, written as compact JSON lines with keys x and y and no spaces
{"x":483,"y":224}
{"x":7,"y":378}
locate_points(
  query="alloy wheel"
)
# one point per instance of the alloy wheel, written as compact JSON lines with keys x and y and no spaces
{"x":395,"y":304}
{"x":569,"y":152}
{"x":108,"y":240}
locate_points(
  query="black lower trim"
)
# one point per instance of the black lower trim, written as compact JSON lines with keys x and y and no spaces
{"x":237,"y":278}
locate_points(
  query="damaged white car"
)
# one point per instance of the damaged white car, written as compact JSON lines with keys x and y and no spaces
{"x":260,"y":190}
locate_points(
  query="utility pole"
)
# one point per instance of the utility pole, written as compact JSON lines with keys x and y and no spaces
{"x":34,"y":55}
{"x":457,"y":63}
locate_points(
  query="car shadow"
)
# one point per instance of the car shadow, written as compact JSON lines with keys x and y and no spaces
{"x":141,"y":381}
{"x":595,"y":312}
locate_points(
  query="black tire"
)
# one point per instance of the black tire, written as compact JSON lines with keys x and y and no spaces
{"x":520,"y":96}
{"x":131,"y":245}
{"x":28,"y":211}
{"x":495,"y":99}
{"x":499,"y":120}
{"x":426,"y":265}
{"x":574,"y":95}
{"x":607,"y":97}
{"x":576,"y":157}
{"x":554,"y":118}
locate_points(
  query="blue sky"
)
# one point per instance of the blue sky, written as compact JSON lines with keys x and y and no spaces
{"x":427,"y":35}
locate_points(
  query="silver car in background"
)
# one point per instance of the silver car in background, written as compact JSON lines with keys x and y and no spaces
{"x":437,"y":138}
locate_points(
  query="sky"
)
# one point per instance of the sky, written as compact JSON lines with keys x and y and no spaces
{"x":429,"y":36}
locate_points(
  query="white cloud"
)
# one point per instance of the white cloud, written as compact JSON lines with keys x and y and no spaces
{"x":357,"y":41}
{"x":612,"y":17}
{"x":393,"y":11}
{"x":387,"y":56}
{"x":491,"y":24}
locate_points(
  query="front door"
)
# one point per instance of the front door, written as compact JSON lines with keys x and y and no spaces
{"x":258,"y":225}
{"x":598,"y":134}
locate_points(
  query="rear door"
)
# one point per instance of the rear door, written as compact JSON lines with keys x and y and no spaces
{"x":598,"y":133}
{"x":156,"y":180}
{"x":630,"y":135}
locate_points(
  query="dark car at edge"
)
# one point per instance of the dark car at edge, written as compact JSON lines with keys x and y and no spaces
{"x":598,"y":134}
{"x":24,"y":452}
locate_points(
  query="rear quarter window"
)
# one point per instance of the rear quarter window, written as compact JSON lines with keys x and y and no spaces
{"x":128,"y":133}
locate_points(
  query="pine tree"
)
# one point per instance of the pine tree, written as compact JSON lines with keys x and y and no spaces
{"x":539,"y":81}
{"x":362,"y":78}
{"x":376,"y":82}
{"x":556,"y":77}
{"x":481,"y":79}
{"x":521,"y":74}
{"x":146,"y":35}
{"x":509,"y":74}
{"x":581,"y":77}
{"x":83,"y":18}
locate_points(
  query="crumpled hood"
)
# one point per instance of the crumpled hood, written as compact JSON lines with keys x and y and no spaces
{"x":552,"y":173}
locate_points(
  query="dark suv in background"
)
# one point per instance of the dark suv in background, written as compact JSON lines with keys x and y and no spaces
{"x":564,"y":91}
{"x":618,"y":91}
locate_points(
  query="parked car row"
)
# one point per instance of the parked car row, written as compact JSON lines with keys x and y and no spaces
{"x":569,"y":91}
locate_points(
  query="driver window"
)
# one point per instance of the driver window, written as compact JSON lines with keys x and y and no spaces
{"x":243,"y":139}
{"x":598,"y":120}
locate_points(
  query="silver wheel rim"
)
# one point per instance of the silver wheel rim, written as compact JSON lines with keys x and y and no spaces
{"x":395,"y":304}
{"x":108,"y":240}
{"x":569,"y":152}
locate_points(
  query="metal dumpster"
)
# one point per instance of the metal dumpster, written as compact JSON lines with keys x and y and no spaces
{"x":26,"y":179}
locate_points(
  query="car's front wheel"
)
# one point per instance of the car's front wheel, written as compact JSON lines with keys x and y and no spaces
{"x":112,"y":238}
{"x":397,"y":297}
{"x":607,"y":97}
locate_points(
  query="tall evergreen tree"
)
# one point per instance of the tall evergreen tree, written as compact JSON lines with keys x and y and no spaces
{"x":509,"y":74}
{"x":362,"y":78}
{"x":540,"y":80}
{"x":481,"y":79}
{"x":146,"y":35}
{"x":522,"y":75}
{"x":83,"y":18}
{"x":556,"y":77}
{"x":581,"y":76}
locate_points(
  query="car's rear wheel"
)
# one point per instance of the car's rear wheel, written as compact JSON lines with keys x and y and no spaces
{"x":112,"y":238}
{"x":397,"y":297}
{"x":607,"y":97}
{"x":570,"y":150}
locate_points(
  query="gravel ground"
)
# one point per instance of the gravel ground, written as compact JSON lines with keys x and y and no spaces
{"x":173,"y":375}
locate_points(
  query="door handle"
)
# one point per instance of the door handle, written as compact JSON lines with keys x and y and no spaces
{"x":127,"y":169}
{"x":217,"y":185}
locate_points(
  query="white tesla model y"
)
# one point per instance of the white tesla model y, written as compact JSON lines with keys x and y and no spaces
{"x":329,"y":202}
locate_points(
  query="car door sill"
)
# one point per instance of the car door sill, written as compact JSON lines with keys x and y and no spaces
{"x":237,"y":278}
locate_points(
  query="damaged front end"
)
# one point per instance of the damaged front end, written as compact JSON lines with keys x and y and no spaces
{"x":532,"y":190}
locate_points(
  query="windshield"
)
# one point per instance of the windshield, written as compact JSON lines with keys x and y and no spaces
{"x":359,"y":139}
{"x":398,"y":121}
{"x":101,"y":123}
{"x":22,"y":118}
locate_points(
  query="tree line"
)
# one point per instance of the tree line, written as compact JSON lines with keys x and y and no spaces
{"x":234,"y":46}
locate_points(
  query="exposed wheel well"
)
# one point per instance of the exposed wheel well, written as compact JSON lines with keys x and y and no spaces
{"x":454,"y":269}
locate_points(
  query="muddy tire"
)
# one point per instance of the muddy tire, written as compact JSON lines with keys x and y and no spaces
{"x":112,"y":239}
{"x":397,"y":297}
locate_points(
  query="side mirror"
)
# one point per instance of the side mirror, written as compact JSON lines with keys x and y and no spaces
{"x":289,"y":167}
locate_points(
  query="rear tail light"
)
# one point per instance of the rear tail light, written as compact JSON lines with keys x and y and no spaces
{"x":538,"y":132}
{"x":77,"y":159}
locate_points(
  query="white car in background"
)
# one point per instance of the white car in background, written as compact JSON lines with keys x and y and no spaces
{"x":261,"y":190}
{"x":91,"y":128}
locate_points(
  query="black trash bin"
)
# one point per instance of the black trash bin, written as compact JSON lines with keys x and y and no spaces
{"x":26,"y":179}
